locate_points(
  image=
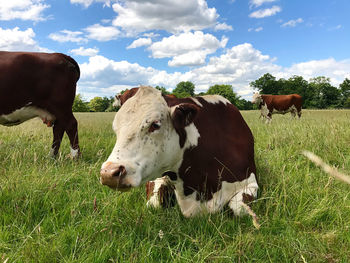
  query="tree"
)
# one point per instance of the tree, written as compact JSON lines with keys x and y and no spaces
{"x":267,"y":84}
{"x":326,"y":95}
{"x":245,"y":104}
{"x":344,"y":91}
{"x":99,"y":104}
{"x":110,"y":106}
{"x":347,"y":103}
{"x":79,"y":105}
{"x":184,"y":89}
{"x":225,"y":91}
{"x":163,"y":90}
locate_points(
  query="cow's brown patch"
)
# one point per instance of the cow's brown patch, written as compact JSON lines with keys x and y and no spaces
{"x":149,"y":189}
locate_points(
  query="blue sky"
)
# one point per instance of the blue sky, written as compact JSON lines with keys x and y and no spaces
{"x":121,"y":44}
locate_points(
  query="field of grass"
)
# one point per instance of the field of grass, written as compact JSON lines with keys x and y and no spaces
{"x":55,"y":210}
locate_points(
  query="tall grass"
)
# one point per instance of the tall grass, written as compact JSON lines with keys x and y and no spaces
{"x":55,"y":210}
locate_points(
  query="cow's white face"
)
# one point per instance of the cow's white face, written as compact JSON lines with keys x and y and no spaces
{"x":256,"y":98}
{"x":147,"y":142}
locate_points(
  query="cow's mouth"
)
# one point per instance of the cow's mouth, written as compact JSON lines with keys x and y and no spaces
{"x":115,"y":184}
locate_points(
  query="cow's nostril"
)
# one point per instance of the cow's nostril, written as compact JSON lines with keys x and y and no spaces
{"x":119,"y":172}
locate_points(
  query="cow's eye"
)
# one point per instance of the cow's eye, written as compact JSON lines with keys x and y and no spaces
{"x":154,"y":126}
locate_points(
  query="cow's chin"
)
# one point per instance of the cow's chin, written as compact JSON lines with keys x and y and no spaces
{"x":116,"y":184}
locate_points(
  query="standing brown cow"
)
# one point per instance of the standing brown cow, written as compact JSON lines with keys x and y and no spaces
{"x":40,"y":85}
{"x":281,"y":104}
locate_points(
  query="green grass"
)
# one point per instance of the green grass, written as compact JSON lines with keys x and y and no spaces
{"x":47,"y":211}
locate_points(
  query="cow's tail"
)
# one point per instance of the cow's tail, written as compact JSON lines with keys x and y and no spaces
{"x":74,"y":63}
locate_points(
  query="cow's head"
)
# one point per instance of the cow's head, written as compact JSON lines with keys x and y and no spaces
{"x":256,"y":98}
{"x":151,"y":139}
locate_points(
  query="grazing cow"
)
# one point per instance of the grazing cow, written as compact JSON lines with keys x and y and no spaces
{"x":40,"y":85}
{"x":122,"y":97}
{"x":201,"y":145}
{"x":271,"y":104}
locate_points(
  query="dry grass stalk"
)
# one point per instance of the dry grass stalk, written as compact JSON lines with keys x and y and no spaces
{"x":253,"y":215}
{"x":328,"y":169}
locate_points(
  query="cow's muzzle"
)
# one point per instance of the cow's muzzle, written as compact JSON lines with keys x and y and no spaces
{"x":113,"y":176}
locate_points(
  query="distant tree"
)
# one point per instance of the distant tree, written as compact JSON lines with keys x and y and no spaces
{"x":325,"y":95}
{"x":347,"y":103}
{"x":184,"y":89}
{"x":110,"y":107}
{"x":79,"y":105}
{"x":344,"y":91}
{"x":99,"y":104}
{"x":225,"y":91}
{"x":163,"y":90}
{"x":267,"y":84}
{"x":245,"y":104}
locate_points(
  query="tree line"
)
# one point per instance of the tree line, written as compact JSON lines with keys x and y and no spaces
{"x":317,"y":93}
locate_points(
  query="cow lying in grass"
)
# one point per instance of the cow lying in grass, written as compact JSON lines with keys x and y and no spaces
{"x":202,"y":145}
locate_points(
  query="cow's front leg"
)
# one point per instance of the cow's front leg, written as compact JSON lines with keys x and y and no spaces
{"x":160,"y":193}
{"x":246,"y":194}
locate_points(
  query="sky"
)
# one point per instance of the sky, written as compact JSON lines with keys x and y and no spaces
{"x":122,"y":44}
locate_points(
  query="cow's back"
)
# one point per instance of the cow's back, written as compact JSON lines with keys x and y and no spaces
{"x":36,"y":78}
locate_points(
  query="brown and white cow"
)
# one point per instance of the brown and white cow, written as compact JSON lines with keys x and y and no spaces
{"x":40,"y":85}
{"x":202,"y":144}
{"x":282,"y":104}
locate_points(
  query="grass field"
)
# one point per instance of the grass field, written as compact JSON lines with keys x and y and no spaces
{"x":57,"y":211}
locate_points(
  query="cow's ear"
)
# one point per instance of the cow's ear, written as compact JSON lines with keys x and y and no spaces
{"x":184,"y":114}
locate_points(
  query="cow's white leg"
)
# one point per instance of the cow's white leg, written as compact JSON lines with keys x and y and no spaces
{"x":247,"y":193}
{"x":268,"y":119}
{"x":74,"y":153}
{"x":159,"y":192}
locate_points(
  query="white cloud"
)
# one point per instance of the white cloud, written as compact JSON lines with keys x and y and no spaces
{"x":191,"y":58}
{"x":136,"y":16}
{"x":223,"y":26}
{"x":89,"y":52}
{"x":17,"y":40}
{"x":187,"y":48}
{"x":22,"y":9}
{"x":258,"y":29}
{"x":102,"y":33}
{"x":292,"y":23}
{"x":261,"y":13}
{"x":87,"y":3}
{"x":140,"y":42}
{"x":95,"y":32}
{"x":151,"y":35}
{"x":257,"y":3}
{"x":335,"y":28}
{"x":68,"y":36}
{"x":337,"y":71}
{"x":237,"y":66}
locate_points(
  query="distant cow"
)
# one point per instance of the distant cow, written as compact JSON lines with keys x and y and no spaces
{"x":122,"y":97}
{"x":271,"y":104}
{"x":202,"y":145}
{"x":40,"y":85}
